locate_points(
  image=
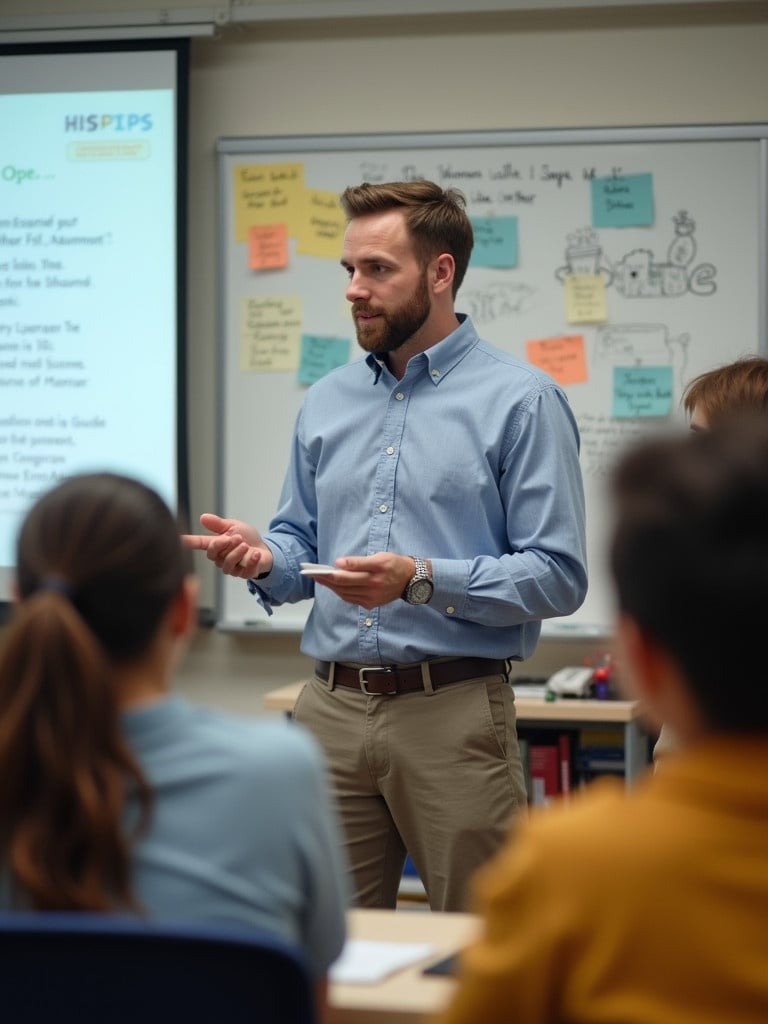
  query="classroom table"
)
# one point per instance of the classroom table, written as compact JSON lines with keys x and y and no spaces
{"x":408,"y":996}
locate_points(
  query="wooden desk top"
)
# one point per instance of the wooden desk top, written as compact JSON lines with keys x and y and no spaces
{"x":529,"y":709}
{"x":407,"y":996}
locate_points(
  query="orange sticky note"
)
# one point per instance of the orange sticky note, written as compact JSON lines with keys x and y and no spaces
{"x":562,"y":358}
{"x":268,"y":247}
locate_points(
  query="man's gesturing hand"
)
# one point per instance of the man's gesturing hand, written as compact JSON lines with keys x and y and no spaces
{"x":235,"y":547}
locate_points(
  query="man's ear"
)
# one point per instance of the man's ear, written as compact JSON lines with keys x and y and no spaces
{"x":442,"y":270}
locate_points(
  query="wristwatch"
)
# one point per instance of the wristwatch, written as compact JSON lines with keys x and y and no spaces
{"x":420,"y":587}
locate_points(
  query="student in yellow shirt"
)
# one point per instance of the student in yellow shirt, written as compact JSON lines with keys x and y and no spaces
{"x":650,"y":905}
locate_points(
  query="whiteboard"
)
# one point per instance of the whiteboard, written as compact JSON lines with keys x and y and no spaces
{"x":685,"y":292}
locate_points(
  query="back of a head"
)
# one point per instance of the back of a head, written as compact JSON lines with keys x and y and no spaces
{"x":112,"y":546}
{"x":99,"y":562}
{"x":436,"y":218}
{"x":731,"y":391}
{"x":690,"y":561}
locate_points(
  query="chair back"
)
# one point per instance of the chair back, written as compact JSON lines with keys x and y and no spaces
{"x":124,"y":970}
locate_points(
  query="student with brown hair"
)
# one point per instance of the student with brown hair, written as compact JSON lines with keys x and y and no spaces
{"x":117,"y":796}
{"x":737,"y":389}
{"x":650,"y":904}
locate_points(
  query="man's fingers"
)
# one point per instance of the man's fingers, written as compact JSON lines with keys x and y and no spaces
{"x":196,"y":541}
{"x":234,"y":559}
{"x":226,"y":547}
{"x":201,"y":541}
{"x":214,"y":523}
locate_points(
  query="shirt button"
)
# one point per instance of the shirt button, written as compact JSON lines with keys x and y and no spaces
{"x":369,"y":622}
{"x":435,"y":373}
{"x":390,"y":450}
{"x":450,"y":610}
{"x":399,"y":396}
{"x":382,"y":508}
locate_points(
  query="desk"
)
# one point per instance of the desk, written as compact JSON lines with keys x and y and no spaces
{"x":408,"y":996}
{"x":534,"y":711}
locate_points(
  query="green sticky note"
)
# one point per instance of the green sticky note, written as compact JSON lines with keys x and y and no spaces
{"x":642,"y":391}
{"x":495,"y":242}
{"x":622,"y":202}
{"x":320,"y":355}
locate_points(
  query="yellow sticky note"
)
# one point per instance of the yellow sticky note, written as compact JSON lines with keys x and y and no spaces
{"x":585,"y":299}
{"x":323,"y":225}
{"x":267,"y":194}
{"x":562,"y":358}
{"x":270,"y":332}
{"x":268,"y":247}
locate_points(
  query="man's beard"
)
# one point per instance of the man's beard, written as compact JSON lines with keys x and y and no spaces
{"x":393,"y":329}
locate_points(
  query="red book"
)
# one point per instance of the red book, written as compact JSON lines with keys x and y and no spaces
{"x":564,"y":752}
{"x":545,"y":773}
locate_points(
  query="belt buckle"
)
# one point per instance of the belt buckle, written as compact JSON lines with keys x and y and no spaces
{"x":379,"y":670}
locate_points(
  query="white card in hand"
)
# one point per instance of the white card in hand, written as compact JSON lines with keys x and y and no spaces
{"x":311,"y":569}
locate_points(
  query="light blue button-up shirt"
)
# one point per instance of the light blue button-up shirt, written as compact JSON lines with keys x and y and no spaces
{"x":470,"y":460}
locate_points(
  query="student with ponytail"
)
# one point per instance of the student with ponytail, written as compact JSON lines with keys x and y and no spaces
{"x":117,"y":796}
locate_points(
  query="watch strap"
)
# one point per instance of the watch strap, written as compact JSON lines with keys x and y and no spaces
{"x":422,"y":569}
{"x":421,"y":575}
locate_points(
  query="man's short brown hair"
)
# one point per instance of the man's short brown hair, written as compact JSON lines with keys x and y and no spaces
{"x":436,"y":218}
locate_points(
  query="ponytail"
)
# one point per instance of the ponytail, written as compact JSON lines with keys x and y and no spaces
{"x":65,"y":770}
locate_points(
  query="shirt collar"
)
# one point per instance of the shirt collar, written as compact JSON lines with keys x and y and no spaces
{"x":440,"y":358}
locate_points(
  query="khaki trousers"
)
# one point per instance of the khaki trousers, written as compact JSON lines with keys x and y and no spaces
{"x":437,"y":775}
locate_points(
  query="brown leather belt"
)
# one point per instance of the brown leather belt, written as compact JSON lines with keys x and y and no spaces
{"x":390,"y":679}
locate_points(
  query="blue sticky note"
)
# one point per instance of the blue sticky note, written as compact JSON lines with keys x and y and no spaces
{"x":495,"y":242}
{"x":622,"y":202}
{"x":642,"y":391}
{"x":320,"y":355}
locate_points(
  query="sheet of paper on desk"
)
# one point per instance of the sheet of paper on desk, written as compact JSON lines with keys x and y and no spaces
{"x":532,"y":692}
{"x":365,"y":961}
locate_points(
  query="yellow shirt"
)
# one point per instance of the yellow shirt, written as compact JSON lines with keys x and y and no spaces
{"x":646,"y":907}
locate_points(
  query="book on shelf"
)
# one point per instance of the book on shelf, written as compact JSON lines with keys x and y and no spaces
{"x":591,"y":764}
{"x":557,"y":761}
{"x":544,"y":767}
{"x":548,"y":764}
{"x":600,"y":752}
{"x":612,"y":736}
{"x":565,"y":762}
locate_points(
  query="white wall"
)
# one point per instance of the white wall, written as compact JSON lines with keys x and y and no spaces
{"x":681,"y":63}
{"x":685,"y":64}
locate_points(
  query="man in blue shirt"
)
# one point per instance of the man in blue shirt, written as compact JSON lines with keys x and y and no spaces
{"x":439,"y":478}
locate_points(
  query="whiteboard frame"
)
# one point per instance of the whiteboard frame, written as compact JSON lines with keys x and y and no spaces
{"x":229,"y":146}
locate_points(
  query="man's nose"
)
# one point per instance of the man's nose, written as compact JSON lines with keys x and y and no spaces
{"x":356,"y":288}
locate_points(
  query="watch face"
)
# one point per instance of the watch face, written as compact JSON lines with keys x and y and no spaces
{"x":419,"y":592}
